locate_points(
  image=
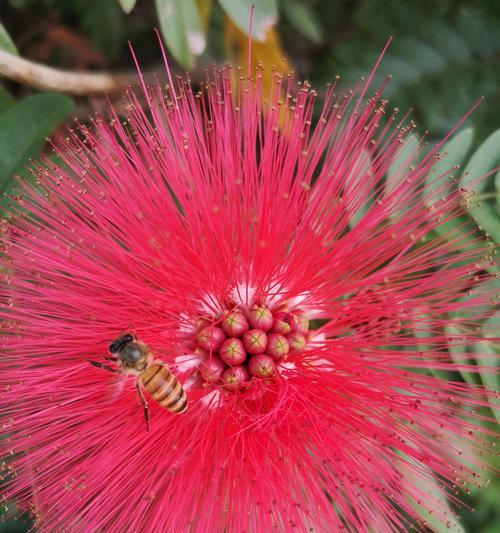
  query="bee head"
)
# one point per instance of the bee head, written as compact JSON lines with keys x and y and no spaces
{"x":119,"y":344}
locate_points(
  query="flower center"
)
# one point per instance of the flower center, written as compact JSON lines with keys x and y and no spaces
{"x":245,"y":344}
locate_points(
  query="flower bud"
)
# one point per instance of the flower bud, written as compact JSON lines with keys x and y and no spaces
{"x":255,"y":341}
{"x":277,"y":346}
{"x":211,"y":369}
{"x":201,"y":323}
{"x":280,"y":324}
{"x":233,"y":352}
{"x":200,"y":352}
{"x":293,"y":320}
{"x":230,"y":302}
{"x":303,"y":324}
{"x":235,"y":324}
{"x":260,"y":317}
{"x":297,"y":342}
{"x":261,"y":366}
{"x":282,"y":307}
{"x":210,"y":338}
{"x":234,"y":378}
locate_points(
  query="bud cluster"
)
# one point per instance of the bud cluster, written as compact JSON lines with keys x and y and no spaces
{"x":248,"y":343}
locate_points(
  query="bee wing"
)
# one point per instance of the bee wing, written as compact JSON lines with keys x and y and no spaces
{"x":116,"y":387}
{"x":183,"y":367}
{"x":185,"y":363}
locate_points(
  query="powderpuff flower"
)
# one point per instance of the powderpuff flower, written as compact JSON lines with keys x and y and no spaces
{"x":254,"y":253}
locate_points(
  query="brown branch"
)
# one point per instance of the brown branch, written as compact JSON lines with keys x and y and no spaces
{"x":46,"y":78}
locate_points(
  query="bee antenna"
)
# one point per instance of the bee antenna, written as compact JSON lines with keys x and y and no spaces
{"x":129,"y":329}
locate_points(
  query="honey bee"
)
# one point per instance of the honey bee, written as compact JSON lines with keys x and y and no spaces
{"x":134,"y":357}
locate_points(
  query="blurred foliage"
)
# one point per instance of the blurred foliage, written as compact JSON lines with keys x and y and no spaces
{"x":441,"y":70}
{"x":445,"y":55}
{"x":23,"y":129}
{"x":6,"y":42}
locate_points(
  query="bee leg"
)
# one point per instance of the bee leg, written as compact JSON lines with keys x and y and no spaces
{"x":110,"y":358}
{"x":144,"y":403}
{"x":103,"y":366}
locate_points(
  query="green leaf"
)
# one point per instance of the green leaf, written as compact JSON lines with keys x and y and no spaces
{"x":459,"y":353}
{"x":15,"y":525}
{"x":497,"y":189}
{"x":437,"y":69}
{"x":127,"y":5}
{"x":422,"y":331}
{"x":24,"y":128}
{"x":265,"y":15}
{"x":448,"y":42}
{"x":6,"y":99}
{"x":6,"y":43}
{"x":104,"y":22}
{"x":356,"y":181}
{"x":406,"y":156}
{"x":420,"y":55}
{"x":474,"y":29}
{"x":485,"y":159}
{"x":486,"y":354}
{"x":423,"y":490}
{"x":303,"y":19}
{"x":181,"y":28}
{"x":452,"y":153}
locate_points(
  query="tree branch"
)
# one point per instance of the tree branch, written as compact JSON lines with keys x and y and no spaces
{"x":46,"y":78}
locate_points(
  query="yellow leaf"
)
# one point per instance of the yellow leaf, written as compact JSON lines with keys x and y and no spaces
{"x":266,"y":55}
{"x":204,"y":9}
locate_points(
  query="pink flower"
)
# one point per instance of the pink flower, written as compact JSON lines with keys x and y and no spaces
{"x":228,"y":214}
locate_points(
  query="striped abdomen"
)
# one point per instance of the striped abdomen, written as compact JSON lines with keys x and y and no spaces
{"x":163,"y":387}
